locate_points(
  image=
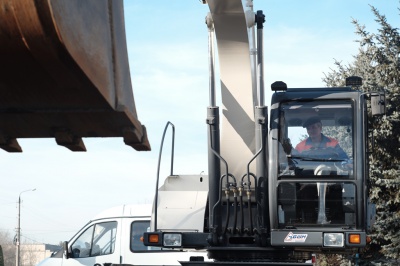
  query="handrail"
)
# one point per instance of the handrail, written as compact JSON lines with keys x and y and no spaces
{"x":158,"y":167}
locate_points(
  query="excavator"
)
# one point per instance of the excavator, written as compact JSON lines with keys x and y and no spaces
{"x":266,"y":201}
{"x":65,"y":75}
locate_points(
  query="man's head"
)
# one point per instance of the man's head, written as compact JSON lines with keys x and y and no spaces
{"x":314,"y":127}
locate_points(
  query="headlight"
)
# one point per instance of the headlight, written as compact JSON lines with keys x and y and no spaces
{"x":172,"y":240}
{"x":333,"y":239}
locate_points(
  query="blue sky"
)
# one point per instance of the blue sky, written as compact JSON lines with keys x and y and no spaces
{"x":167,"y":46}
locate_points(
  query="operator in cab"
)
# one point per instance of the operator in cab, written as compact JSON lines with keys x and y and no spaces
{"x":317,"y":143}
{"x":317,"y":147}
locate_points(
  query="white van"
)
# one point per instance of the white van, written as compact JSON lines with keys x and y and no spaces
{"x":114,"y":237}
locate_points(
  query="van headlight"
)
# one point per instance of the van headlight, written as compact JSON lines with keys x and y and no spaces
{"x":333,"y":239}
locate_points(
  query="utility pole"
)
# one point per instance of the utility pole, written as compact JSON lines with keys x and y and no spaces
{"x":17,"y":242}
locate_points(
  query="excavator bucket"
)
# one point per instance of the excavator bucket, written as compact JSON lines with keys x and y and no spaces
{"x":64,"y":73}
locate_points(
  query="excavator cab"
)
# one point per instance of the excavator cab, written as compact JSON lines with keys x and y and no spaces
{"x":318,"y":183}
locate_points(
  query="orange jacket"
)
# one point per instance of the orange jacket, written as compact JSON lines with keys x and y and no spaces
{"x":325,"y":143}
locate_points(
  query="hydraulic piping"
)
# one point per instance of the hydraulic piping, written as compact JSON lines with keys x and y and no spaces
{"x":214,"y":171}
{"x":260,"y":116}
{"x":260,"y":19}
{"x":248,"y":193}
{"x":250,"y":21}
{"x":211,"y":59}
{"x":241,"y":189}
{"x":235,"y":203}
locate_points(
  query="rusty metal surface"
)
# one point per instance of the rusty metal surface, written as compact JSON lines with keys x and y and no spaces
{"x":64,"y":70}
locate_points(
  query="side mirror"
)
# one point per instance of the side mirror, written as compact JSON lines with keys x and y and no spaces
{"x":378,"y":104}
{"x":65,"y":249}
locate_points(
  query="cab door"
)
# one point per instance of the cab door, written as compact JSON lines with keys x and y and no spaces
{"x":96,"y":245}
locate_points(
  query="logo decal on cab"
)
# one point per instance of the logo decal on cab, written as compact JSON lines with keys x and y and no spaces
{"x":291,"y":238}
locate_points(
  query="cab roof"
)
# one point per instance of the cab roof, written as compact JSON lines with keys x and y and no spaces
{"x":126,"y":210}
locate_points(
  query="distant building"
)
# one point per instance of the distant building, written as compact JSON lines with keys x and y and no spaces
{"x":32,"y":254}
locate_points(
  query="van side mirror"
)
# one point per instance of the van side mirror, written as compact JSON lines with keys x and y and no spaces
{"x":65,"y":249}
{"x":378,"y":103}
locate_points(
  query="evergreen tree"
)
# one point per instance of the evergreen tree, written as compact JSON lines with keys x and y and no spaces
{"x":378,"y":63}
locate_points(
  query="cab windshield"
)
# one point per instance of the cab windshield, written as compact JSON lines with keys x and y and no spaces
{"x":315,"y":152}
{"x":316,"y":138}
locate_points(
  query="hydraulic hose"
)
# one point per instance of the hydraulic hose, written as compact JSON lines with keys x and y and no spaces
{"x":235,"y":202}
{"x":241,"y":188}
{"x":227,"y":211}
{"x":250,"y":212}
{"x":226,"y":192}
{"x":249,"y":197}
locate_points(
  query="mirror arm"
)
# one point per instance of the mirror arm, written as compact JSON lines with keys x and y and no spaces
{"x":65,"y":250}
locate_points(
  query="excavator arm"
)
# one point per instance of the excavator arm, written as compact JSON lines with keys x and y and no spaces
{"x":64,"y":73}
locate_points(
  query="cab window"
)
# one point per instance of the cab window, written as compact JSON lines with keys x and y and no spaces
{"x":97,"y":240}
{"x":316,"y":203}
{"x":316,"y":145}
{"x":137,"y":230}
{"x":316,"y":133}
